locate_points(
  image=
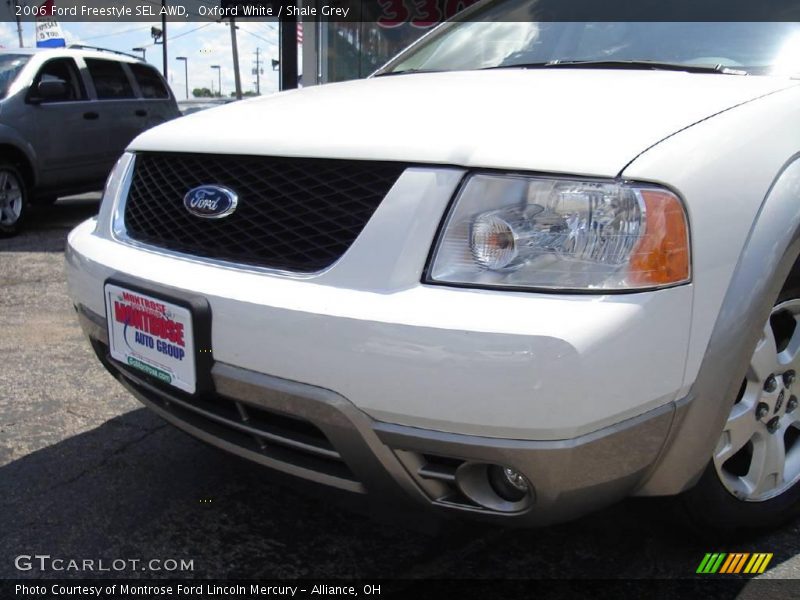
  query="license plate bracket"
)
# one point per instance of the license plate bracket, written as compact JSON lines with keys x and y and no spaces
{"x":160,"y":332}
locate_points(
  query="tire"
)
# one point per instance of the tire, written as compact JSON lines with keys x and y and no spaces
{"x":13,"y":200}
{"x":752,"y":483}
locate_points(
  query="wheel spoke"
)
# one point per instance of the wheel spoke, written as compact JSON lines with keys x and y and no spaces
{"x":790,"y":354}
{"x":791,"y":470}
{"x":3,"y":180}
{"x":789,"y":419}
{"x":740,"y":429}
{"x":767,"y":465}
{"x":765,"y":357}
{"x":14,"y":207}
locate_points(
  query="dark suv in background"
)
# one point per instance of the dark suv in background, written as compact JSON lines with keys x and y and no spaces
{"x":66,"y":115}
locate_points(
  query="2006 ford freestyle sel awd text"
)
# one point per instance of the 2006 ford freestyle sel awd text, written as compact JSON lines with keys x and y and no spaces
{"x":575,"y":283}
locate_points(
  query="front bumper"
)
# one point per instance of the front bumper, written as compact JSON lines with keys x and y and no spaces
{"x":318,"y":435}
{"x":405,"y":387}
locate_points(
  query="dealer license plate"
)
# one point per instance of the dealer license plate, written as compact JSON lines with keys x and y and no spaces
{"x":152,"y":336}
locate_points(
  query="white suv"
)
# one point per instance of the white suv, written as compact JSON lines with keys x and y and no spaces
{"x":564,"y":274}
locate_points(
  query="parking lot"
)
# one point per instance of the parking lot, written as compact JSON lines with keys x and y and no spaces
{"x":85,"y":472}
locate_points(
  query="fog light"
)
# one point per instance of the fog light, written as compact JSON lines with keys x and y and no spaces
{"x":507,"y":483}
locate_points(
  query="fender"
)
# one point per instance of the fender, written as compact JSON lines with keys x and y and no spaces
{"x":9,"y":136}
{"x":774,"y":239}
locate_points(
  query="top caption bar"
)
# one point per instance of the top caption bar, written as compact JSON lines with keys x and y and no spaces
{"x":424,"y":13}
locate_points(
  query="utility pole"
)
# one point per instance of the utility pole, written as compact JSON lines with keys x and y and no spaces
{"x":236,"y":77}
{"x":164,"y":33}
{"x":219,"y":76}
{"x":14,"y":8}
{"x":185,"y":60}
{"x":257,"y":71}
{"x":288,"y":55}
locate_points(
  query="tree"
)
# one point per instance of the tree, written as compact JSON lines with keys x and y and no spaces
{"x":202,"y":93}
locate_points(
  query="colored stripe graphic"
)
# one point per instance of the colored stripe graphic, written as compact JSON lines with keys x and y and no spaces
{"x":711,"y":562}
{"x":758,"y":564}
{"x":703,"y":563}
{"x":741,"y":562}
{"x":734,"y":563}
{"x":732,"y":558}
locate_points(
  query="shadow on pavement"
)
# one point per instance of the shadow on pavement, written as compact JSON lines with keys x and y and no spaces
{"x":47,"y":226}
{"x":135,"y":487}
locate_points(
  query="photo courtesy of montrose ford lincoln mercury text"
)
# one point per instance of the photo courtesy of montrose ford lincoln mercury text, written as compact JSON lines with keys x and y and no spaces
{"x":578,"y":282}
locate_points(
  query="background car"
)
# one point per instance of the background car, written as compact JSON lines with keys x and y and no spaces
{"x":66,"y":114}
{"x":187,"y":107}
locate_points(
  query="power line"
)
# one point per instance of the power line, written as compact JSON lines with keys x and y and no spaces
{"x":263,"y":39}
{"x":270,"y":32}
{"x":105,"y":35}
{"x":180,"y":35}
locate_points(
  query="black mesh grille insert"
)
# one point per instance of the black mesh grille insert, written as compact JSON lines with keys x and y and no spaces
{"x":295,"y":214}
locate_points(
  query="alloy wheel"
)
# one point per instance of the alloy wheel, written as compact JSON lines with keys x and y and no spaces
{"x":758,"y":454}
{"x":11,"y":198}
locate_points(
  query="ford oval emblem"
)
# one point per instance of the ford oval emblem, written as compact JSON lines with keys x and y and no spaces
{"x":210,"y":201}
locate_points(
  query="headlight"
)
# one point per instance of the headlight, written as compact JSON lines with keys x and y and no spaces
{"x":530,"y":232}
{"x":115,"y":185}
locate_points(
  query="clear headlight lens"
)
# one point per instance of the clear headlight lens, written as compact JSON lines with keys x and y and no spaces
{"x":530,"y":232}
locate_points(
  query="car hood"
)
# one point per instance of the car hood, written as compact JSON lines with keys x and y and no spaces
{"x":590,"y":122}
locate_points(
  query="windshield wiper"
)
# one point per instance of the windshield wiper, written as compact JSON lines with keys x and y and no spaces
{"x":624,"y":64}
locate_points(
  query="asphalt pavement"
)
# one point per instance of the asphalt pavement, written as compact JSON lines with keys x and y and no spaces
{"x":87,"y":473}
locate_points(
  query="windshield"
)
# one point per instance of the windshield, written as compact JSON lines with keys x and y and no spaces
{"x":497,"y":36}
{"x":10,"y":65}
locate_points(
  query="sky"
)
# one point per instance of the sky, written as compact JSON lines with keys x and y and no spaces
{"x":203,"y":43}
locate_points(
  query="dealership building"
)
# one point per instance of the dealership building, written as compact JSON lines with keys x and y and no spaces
{"x":338,"y":51}
{"x":342,"y":50}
